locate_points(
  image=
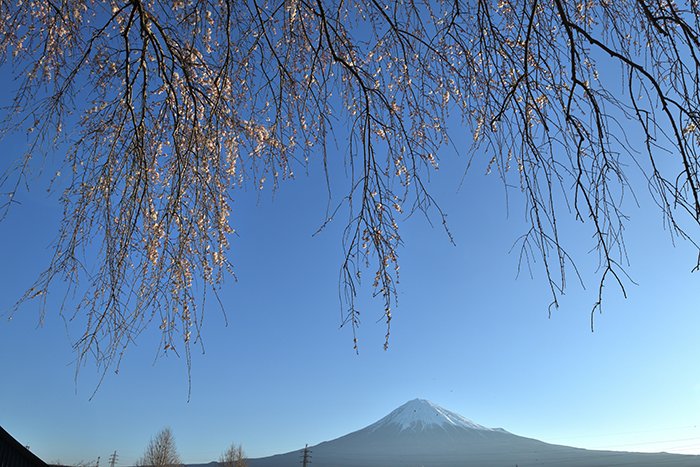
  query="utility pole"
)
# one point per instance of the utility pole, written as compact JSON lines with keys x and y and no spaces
{"x":113,"y":459}
{"x":306,"y":456}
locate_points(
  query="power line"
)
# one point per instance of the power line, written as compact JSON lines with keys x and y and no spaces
{"x":306,"y":456}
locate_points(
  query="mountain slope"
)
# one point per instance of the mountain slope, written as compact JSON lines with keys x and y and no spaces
{"x":420,"y":433}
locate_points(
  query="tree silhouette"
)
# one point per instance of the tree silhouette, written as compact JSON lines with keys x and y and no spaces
{"x":165,"y":108}
{"x":233,"y":457}
{"x":161,"y":451}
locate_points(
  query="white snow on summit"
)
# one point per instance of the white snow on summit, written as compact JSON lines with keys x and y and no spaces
{"x":419,"y":414}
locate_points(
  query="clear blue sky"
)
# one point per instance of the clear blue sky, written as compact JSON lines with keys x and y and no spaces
{"x":466,"y":335}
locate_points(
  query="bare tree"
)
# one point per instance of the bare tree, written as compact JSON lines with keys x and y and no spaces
{"x":95,"y":463}
{"x":233,"y":457}
{"x":161,"y":451}
{"x":188,"y":100}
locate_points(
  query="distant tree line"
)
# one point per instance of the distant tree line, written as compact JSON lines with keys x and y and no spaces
{"x":162,"y":452}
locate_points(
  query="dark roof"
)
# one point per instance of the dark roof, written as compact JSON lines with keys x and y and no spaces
{"x":13,"y":454}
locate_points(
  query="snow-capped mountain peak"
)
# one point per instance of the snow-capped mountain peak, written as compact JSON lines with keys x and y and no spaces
{"x":422,"y":433}
{"x":420,"y":414}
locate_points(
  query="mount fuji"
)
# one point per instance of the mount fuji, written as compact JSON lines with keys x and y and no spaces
{"x":420,"y":433}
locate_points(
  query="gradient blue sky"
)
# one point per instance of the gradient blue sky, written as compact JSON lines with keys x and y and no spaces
{"x":466,"y":335}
